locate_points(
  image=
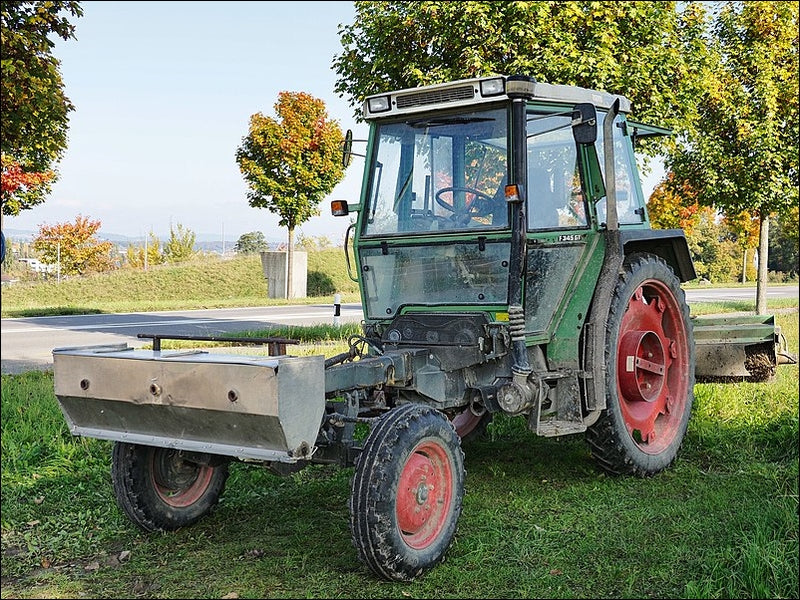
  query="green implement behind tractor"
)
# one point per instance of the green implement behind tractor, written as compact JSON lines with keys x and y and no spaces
{"x":506,"y":265}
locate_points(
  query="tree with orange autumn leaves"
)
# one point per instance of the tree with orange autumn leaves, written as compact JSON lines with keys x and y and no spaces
{"x":74,"y":246}
{"x":675,"y":205}
{"x":15,"y":181}
{"x":291,"y":163}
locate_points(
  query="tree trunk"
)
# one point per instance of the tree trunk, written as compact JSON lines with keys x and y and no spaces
{"x":290,"y":265}
{"x":763,"y":249}
{"x":744,"y":265}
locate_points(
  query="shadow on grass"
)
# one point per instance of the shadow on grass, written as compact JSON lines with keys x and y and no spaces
{"x":53,"y":311}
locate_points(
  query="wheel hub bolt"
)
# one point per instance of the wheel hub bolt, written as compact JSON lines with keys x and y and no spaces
{"x":422,"y":493}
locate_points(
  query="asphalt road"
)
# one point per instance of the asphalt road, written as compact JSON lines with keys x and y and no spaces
{"x":739,"y":293}
{"x":27,"y":343}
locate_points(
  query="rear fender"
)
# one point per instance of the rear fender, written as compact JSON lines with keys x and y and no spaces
{"x":669,"y":244}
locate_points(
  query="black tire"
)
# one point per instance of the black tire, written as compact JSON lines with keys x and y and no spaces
{"x":406,"y":492}
{"x":158,"y":489}
{"x":649,"y":371}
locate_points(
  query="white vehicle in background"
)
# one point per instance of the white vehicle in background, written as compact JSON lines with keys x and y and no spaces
{"x":37,"y":266}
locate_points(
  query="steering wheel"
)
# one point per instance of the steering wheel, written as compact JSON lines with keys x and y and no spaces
{"x":480,"y":206}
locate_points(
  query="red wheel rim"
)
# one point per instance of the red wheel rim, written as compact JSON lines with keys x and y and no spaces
{"x":178,"y":482}
{"x":424,"y":495}
{"x":653,"y":367}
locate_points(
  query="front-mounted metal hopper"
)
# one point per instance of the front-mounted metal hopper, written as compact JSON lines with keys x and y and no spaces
{"x":730,"y":348}
{"x":265,"y":408}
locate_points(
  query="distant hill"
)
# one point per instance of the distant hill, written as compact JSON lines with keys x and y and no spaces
{"x":204,"y":242}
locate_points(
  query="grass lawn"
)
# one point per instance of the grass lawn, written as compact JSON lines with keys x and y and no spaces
{"x":539,"y":519}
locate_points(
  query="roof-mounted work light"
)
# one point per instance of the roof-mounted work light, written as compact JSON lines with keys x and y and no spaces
{"x":492,"y":87}
{"x":379,"y":104}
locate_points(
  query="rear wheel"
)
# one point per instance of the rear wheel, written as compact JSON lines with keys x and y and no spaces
{"x":406,"y":493}
{"x":650,"y":371}
{"x":162,"y":489}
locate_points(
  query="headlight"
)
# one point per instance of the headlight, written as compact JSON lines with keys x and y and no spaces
{"x":379,"y":104}
{"x":492,"y":87}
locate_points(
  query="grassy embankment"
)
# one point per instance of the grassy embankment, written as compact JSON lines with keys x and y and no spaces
{"x":539,"y":519}
{"x":203,"y":283}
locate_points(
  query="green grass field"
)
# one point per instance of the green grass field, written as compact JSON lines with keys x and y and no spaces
{"x":539,"y":519}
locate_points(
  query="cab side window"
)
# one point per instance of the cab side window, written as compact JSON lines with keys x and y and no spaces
{"x":629,"y":203}
{"x":554,"y":189}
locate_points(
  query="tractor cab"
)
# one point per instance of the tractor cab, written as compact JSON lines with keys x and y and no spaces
{"x":485,"y":193}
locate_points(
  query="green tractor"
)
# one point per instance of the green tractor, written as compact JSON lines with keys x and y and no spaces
{"x":506,"y":266}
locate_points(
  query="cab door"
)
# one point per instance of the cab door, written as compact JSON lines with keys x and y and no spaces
{"x":561,"y":252}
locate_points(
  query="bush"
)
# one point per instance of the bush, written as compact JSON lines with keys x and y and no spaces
{"x":319,"y":284}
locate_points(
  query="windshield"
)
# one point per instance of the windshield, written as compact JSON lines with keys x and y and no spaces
{"x":445,"y":173}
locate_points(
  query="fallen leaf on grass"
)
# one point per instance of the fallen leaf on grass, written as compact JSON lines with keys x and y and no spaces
{"x":230,"y":595}
{"x":92,"y":566}
{"x":124,"y":555}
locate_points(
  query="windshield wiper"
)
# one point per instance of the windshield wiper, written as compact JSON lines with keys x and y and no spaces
{"x":448,"y":121}
{"x":403,"y":189}
{"x":551,"y":129}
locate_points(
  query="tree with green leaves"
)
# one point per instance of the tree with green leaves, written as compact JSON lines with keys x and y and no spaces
{"x":783,"y":243}
{"x":745,"y":229}
{"x":147,"y":254}
{"x":714,"y":248}
{"x":291,"y":163}
{"x":646,"y":51}
{"x":33,"y":105}
{"x":180,"y":245}
{"x":252,"y":242}
{"x":740,"y":154}
{"x":74,"y":247}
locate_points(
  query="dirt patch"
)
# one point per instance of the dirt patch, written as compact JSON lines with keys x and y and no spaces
{"x":760,"y":363}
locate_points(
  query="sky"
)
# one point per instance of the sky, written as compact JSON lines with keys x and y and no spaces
{"x":163,"y":94}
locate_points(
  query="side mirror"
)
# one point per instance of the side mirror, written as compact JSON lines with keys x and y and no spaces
{"x":347,"y":148}
{"x":584,"y":124}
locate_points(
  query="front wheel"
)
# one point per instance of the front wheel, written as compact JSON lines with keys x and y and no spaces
{"x":165,"y":489}
{"x":406,"y":493}
{"x":649,"y":371}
